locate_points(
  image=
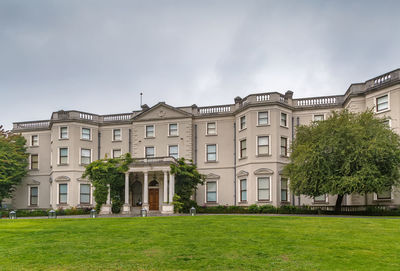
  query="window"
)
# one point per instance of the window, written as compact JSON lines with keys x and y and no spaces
{"x":173,"y":129}
{"x":116,"y":153}
{"x":263,"y":185}
{"x":211,"y":128}
{"x":62,"y":193}
{"x":34,"y":161}
{"x":85,"y":134}
{"x":149,"y":152}
{"x":382,"y":103}
{"x":35,"y":140}
{"x":173,"y":151}
{"x":284,"y":146}
{"x":284,"y":119}
{"x":149,"y":130}
{"x":321,"y":198}
{"x":33,"y":196}
{"x":318,"y":117}
{"x":284,"y":189}
{"x":63,"y":132}
{"x":86,"y":156}
{"x":243,"y":190}
{"x":242,"y":122}
{"x":211,"y":190}
{"x":85,"y":193}
{"x":212,"y":152}
{"x":63,"y":156}
{"x":262,"y":118}
{"x":117,"y":135}
{"x":263,"y":145}
{"x":387,"y":123}
{"x":384,"y":195}
{"x":243,"y":150}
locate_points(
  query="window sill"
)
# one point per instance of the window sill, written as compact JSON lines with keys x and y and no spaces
{"x":240,"y":130}
{"x":383,"y":200}
{"x":242,"y":158}
{"x":211,"y":134}
{"x":320,"y":202}
{"x":116,"y":141}
{"x":34,"y":169}
{"x":211,"y":162}
{"x":61,"y":165}
{"x":286,"y":127}
{"x":242,"y":202}
{"x":34,"y":146}
{"x":263,"y":155}
{"x":263,"y":125}
{"x":150,"y":137}
{"x":382,"y":111}
{"x":173,"y":136}
{"x":284,"y":156}
{"x":62,"y":205}
{"x":89,"y":140}
{"x":63,"y":138}
{"x":264,"y":201}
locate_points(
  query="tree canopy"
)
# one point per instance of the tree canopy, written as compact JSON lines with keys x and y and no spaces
{"x":108,"y":171}
{"x":187,"y":178}
{"x":13,"y":162}
{"x":347,"y":153}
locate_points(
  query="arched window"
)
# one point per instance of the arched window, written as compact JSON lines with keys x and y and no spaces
{"x":153,"y":183}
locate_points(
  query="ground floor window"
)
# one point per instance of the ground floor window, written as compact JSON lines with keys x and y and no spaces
{"x":384,"y":195}
{"x":284,"y":189}
{"x":243,"y":190}
{"x":321,"y":198}
{"x":263,"y":188}
{"x":211,"y":188}
{"x":62,"y":193}
{"x":33,"y":198}
{"x":85,"y":194}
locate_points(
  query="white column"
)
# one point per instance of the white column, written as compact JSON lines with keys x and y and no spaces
{"x":171,"y":187}
{"x":109,"y":195}
{"x":166,"y":186}
{"x":127,"y":188}
{"x":146,"y":189}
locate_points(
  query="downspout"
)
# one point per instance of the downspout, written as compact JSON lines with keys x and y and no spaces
{"x":130,"y":141}
{"x":293,"y":198}
{"x":298,"y":124}
{"x":195,"y":155}
{"x":98,"y":146}
{"x":234,"y":163}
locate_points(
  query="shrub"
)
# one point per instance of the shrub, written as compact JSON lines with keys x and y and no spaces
{"x":267,"y":209}
{"x":254,"y":209}
{"x":116,"y":206}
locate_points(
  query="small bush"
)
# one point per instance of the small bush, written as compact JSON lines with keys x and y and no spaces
{"x":267,"y":209}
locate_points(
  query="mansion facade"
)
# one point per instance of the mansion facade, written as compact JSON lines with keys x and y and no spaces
{"x":241,"y":148}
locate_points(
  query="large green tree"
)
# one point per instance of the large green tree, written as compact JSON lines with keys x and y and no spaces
{"x":187,"y":178}
{"x":13,"y":162}
{"x":347,"y":153}
{"x":108,"y":171}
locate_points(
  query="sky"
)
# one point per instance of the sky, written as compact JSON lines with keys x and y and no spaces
{"x":97,"y":56}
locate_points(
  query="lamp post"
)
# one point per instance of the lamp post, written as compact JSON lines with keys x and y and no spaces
{"x":143,"y":212}
{"x":192,"y":211}
{"x":93,"y":213}
{"x":52,"y":214}
{"x":13,"y":215}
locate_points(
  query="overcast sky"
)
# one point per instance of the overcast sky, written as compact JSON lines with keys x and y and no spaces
{"x":97,"y":56}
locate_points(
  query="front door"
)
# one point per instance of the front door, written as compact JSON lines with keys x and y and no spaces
{"x":153,"y":199}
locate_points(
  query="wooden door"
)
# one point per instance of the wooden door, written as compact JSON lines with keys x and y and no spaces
{"x":153,"y":199}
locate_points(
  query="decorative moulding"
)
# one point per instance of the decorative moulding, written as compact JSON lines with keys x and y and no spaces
{"x":242,"y":173}
{"x":62,"y":179}
{"x":263,"y":171}
{"x":212,"y":176}
{"x":32,"y":182}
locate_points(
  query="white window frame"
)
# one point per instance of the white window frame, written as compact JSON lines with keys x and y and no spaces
{"x":90,"y":194}
{"x":59,"y":133}
{"x":30,"y":161}
{"x":112,"y":152}
{"x":177,"y":145}
{"x":177,"y":129}
{"x":29,"y":195}
{"x":216,"y":154}
{"x":90,"y":135}
{"x":322,"y":114}
{"x":268,"y":118}
{"x":58,"y":193}
{"x":376,"y":103}
{"x":269,"y":145}
{"x":321,"y":202}
{"x":280,"y":189}
{"x":216,"y":131}
{"x":287,"y":119}
{"x":120,"y":134}
{"x":287,"y":146}
{"x":240,"y":123}
{"x":216,"y":192}
{"x":240,"y":148}
{"x":38,"y":143}
{"x":80,"y":156}
{"x":145,"y":154}
{"x":58,"y":155}
{"x":240,"y":189}
{"x":145,"y":131}
{"x":269,"y":177}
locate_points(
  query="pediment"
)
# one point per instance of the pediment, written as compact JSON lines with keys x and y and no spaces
{"x":263,"y":171}
{"x":242,"y":173}
{"x":162,"y":111}
{"x":32,"y":182}
{"x":212,"y":176}
{"x":62,"y":179}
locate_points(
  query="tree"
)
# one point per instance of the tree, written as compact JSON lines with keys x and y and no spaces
{"x":106,"y":172}
{"x":13,"y":162}
{"x":187,"y":178}
{"x":347,"y":153}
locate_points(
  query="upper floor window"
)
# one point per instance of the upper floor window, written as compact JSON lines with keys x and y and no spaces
{"x":173,"y":151}
{"x":262,"y":145}
{"x":116,"y":153}
{"x":243,"y":190}
{"x":149,"y":152}
{"x":211,"y":191}
{"x":284,"y":146}
{"x":35,"y":140}
{"x":86,"y":156}
{"x":62,"y":193}
{"x":33,"y":196}
{"x":63,"y":132}
{"x":173,"y":129}
{"x":318,"y":117}
{"x":85,"y":134}
{"x":382,"y":103}
{"x":243,"y":148}
{"x":284,"y":189}
{"x":211,"y":152}
{"x":116,"y":134}
{"x":262,"y":118}
{"x":242,"y":122}
{"x":211,"y":128}
{"x":263,"y":185}
{"x":283,"y":119}
{"x":84,"y":194}
{"x":149,"y":130}
{"x":34,"y":161}
{"x":63,"y":159}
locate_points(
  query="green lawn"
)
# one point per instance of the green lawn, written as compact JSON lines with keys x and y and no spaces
{"x":201,"y":243}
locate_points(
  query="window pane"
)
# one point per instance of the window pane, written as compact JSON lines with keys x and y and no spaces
{"x":63,"y":132}
{"x":117,"y":134}
{"x":243,"y":195}
{"x":384,"y":195}
{"x":284,"y":183}
{"x":262,"y":118}
{"x":173,"y":151}
{"x":263,"y":140}
{"x":211,"y":187}
{"x":318,"y":117}
{"x":211,"y":128}
{"x":34,"y":191}
{"x":86,"y":133}
{"x":243,"y":185}
{"x":63,"y":198}
{"x":63,"y":160}
{"x":284,"y":195}
{"x":85,"y":198}
{"x":173,"y":129}
{"x":116,"y":153}
{"x":149,"y":151}
{"x":263,"y":194}
{"x":64,"y":152}
{"x":85,"y":152}
{"x":283,"y":119}
{"x":63,"y":188}
{"x":263,"y":183}
{"x":150,"y":131}
{"x":211,"y":148}
{"x":212,"y":196}
{"x":320,"y":198}
{"x":85,"y":188}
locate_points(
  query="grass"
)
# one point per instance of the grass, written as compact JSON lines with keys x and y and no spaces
{"x":201,"y":243}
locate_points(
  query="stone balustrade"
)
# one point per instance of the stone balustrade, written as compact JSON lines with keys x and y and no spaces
{"x":215,"y":109}
{"x":318,"y":101}
{"x":40,"y":124}
{"x":117,"y":117}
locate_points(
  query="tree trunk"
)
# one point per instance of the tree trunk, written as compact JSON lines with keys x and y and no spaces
{"x":338,"y":205}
